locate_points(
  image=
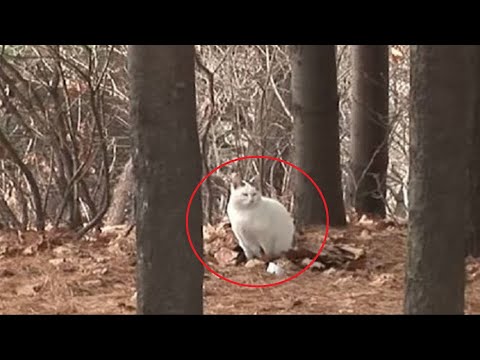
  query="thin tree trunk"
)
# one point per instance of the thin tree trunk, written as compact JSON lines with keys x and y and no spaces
{"x":36,"y":197}
{"x":369,"y":135}
{"x":122,"y":196}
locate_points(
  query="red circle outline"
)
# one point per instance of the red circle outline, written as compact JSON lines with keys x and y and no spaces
{"x":260,"y":285}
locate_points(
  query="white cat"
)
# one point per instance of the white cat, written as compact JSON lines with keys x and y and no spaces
{"x":262,"y":226}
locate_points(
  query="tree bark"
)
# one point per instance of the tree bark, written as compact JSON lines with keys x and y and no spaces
{"x":442,"y":98}
{"x":473,"y":238}
{"x":122,"y":196}
{"x":167,"y":168}
{"x":316,"y":132}
{"x":369,"y":134}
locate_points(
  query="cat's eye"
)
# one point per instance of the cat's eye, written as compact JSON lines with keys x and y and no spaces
{"x":244,"y":194}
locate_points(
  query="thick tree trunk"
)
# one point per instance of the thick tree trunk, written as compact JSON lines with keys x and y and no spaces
{"x":369,"y":134}
{"x":442,"y":98}
{"x":317,"y":147}
{"x":473,"y":239}
{"x":167,"y":168}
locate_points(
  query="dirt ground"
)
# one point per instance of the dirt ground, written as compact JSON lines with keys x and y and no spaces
{"x":53,"y":274}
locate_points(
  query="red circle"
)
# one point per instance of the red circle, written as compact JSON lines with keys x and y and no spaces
{"x":261,"y":285}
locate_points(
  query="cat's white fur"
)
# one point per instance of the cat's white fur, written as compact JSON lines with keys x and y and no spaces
{"x":262,"y":225}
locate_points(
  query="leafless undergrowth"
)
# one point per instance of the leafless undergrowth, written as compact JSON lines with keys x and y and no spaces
{"x":64,"y":129}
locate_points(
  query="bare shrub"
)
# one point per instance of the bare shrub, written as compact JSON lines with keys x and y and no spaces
{"x":65,"y":131}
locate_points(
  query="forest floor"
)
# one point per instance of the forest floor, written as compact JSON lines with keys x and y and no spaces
{"x":54,"y":274}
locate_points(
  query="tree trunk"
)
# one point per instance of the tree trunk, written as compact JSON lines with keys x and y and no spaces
{"x":442,"y":98}
{"x":473,"y":238}
{"x":167,"y":168}
{"x":369,"y":134}
{"x":122,"y":196}
{"x":317,"y":147}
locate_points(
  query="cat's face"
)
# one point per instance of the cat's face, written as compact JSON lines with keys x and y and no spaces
{"x":244,"y":194}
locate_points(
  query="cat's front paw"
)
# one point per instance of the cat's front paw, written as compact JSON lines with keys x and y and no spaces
{"x":249,"y":255}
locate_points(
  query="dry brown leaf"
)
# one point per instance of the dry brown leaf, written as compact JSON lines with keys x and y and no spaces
{"x":357,"y":265}
{"x":315,"y":266}
{"x":92,"y":283}
{"x":227,"y":241}
{"x":472,"y":270}
{"x":299,"y":254}
{"x":384,"y":224}
{"x":63,"y":250}
{"x":9,"y":250}
{"x":114,"y":229}
{"x":357,"y":252}
{"x":68,"y":267}
{"x":472,"y":277}
{"x":337,"y":237}
{"x":230,"y":241}
{"x":56,"y":262}
{"x":212,"y":233}
{"x":254,"y":263}
{"x":6,"y":273}
{"x":101,"y":259}
{"x":64,"y":264}
{"x":365,"y":235}
{"x":330,"y":271}
{"x":473,"y":266}
{"x":226,"y":256}
{"x":30,"y":250}
{"x":208,"y":232}
{"x":382,"y":279}
{"x":396,"y":55}
{"x":211,"y":248}
{"x":114,"y":248}
{"x":28,"y":289}
{"x":365,"y":221}
{"x":343,"y":280}
{"x":100,"y":271}
{"x":297,"y":303}
{"x":126,"y":306}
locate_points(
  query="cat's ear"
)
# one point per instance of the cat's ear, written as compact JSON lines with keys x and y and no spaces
{"x":255,"y":182}
{"x":236,"y":180}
